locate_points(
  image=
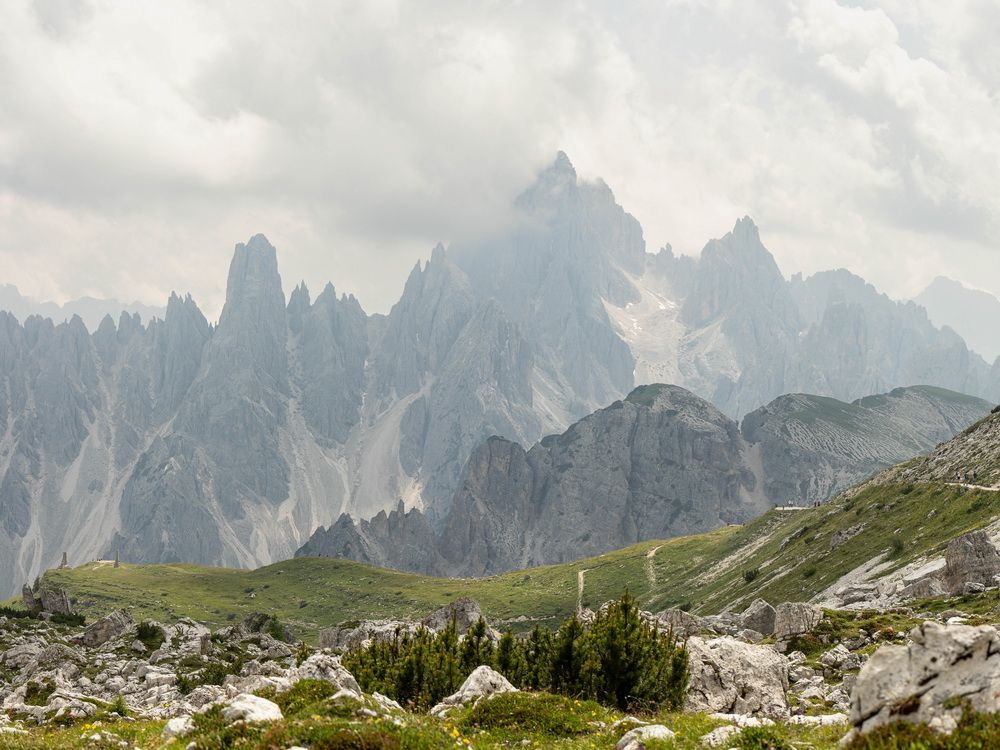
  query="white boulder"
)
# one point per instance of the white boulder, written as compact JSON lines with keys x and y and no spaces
{"x":635,"y":739}
{"x":322,"y":666}
{"x":177,"y":727}
{"x":250,"y":708}
{"x":482,"y":683}
{"x":733,"y":677}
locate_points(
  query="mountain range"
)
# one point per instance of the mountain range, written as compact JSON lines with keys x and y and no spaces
{"x":662,"y":463}
{"x":972,"y":313}
{"x":90,"y":310}
{"x":230,"y":444}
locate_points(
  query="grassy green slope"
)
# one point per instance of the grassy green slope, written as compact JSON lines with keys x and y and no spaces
{"x":706,"y":573}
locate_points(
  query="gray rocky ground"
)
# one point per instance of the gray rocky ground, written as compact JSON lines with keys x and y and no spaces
{"x":741,"y":676}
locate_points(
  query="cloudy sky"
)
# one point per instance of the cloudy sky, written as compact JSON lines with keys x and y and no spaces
{"x":139,"y":141}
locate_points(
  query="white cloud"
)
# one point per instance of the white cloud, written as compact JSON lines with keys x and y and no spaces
{"x":139,"y":141}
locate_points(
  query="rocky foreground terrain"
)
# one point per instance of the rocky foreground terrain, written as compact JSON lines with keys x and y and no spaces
{"x":787,"y":674}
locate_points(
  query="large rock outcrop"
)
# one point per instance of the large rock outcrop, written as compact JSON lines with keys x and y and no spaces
{"x":732,"y":677}
{"x":930,"y":680}
{"x":795,"y":618}
{"x":971,"y":559}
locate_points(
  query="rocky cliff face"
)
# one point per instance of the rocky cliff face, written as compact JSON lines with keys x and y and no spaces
{"x":659,"y":464}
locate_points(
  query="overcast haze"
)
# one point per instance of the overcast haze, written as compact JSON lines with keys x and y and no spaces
{"x":140,"y":141}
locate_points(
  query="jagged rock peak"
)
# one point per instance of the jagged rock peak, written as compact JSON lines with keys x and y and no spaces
{"x":253,"y":273}
{"x":562,"y":164}
{"x":745,"y":229}
{"x":742,"y":246}
{"x":299,"y":300}
{"x":185,"y":308}
{"x":107,"y":326}
{"x":177,"y":300}
{"x":553,"y":184}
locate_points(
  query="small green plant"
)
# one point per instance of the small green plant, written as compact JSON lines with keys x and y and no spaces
{"x":809,"y":571}
{"x":749,"y":576}
{"x":38,"y":693}
{"x":118,"y":706}
{"x":761,"y":738}
{"x":150,"y":634}
{"x":550,"y":715}
{"x":306,"y":698}
{"x":302,"y":653}
{"x":185,"y":684}
{"x":212,"y":674}
{"x":276,"y":630}
{"x":896,"y":546}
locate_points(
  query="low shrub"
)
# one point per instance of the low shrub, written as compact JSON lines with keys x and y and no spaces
{"x":38,"y":693}
{"x":118,"y":706}
{"x":619,"y":660}
{"x":761,"y":738}
{"x":212,"y":674}
{"x":14,"y":613}
{"x":73,"y":619}
{"x":547,"y":714}
{"x":309,"y":698}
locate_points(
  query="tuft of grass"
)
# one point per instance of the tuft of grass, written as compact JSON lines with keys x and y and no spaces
{"x":761,"y":738}
{"x":544,"y":714}
{"x":38,"y":693}
{"x":150,"y":634}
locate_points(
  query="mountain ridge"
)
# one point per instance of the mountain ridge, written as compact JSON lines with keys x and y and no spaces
{"x":661,"y":463}
{"x":232,"y":443}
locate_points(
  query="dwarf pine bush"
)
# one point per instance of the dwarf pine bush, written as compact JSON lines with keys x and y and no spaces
{"x":619,"y":660}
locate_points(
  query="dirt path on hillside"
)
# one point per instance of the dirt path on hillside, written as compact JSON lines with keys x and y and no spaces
{"x":974,"y":486}
{"x":651,"y":567}
{"x":580,"y":577}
